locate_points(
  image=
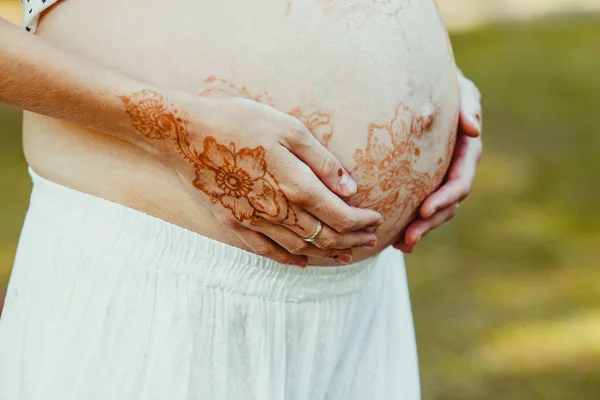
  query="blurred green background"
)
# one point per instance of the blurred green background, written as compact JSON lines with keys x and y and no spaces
{"x":506,"y":298}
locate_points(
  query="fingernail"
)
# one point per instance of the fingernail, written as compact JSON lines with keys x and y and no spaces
{"x":301,"y":264}
{"x":348,"y":185}
{"x":342,"y":258}
{"x":371,"y":244}
{"x":377,"y":223}
{"x":475,"y":119}
{"x":412,"y":240}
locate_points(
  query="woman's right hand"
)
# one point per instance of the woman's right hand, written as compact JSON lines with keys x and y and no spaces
{"x":260,"y":171}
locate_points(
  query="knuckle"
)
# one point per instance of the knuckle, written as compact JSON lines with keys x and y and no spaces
{"x":228,"y":222}
{"x":248,"y":223}
{"x":347,"y":224}
{"x":263,"y":249}
{"x":297,"y":133}
{"x":329,"y":242}
{"x":303,"y":197}
{"x":330,"y":165}
{"x":298,"y":248}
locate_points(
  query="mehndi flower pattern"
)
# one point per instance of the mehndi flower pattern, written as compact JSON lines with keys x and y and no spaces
{"x":389,"y":181}
{"x":238,"y":180}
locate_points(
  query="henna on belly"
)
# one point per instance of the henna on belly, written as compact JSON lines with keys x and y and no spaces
{"x":357,"y":12}
{"x":239,"y":180}
{"x":385,"y":168}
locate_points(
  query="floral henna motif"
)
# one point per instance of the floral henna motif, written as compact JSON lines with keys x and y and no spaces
{"x":150,"y":115}
{"x":238,"y":180}
{"x":386,"y":167}
{"x":319,"y":123}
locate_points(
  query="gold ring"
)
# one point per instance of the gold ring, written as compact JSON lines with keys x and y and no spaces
{"x":316,"y":234}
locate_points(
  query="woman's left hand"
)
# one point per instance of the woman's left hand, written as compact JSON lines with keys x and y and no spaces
{"x":441,"y":205}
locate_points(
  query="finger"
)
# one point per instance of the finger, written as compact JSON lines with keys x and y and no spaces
{"x":294,"y":244}
{"x":470,"y":123}
{"x":470,"y":107}
{"x":421,"y":227}
{"x":263,"y":246}
{"x":453,"y":191}
{"x":341,"y":217}
{"x":323,"y":163}
{"x":459,"y":179}
{"x":307,"y":224}
{"x":403,"y":247}
{"x":312,"y":195}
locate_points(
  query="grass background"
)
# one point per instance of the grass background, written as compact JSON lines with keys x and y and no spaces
{"x":506,"y":298}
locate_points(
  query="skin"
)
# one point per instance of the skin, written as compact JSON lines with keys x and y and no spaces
{"x":457,"y":184}
{"x":441,"y":205}
{"x":398,"y":176}
{"x":70,"y":101}
{"x":300,"y":157}
{"x":325,"y":115}
{"x":238,"y":182}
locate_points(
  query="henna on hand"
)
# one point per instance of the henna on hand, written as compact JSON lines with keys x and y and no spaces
{"x":238,"y":180}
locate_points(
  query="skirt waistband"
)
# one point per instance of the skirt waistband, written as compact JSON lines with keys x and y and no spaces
{"x":131,"y":239}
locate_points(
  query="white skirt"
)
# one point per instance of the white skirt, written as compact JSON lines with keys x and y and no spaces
{"x":106,"y":302}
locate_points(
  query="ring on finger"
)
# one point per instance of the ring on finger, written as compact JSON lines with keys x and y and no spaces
{"x":316,"y":234}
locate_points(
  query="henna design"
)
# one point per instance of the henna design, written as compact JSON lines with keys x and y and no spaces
{"x":238,"y":180}
{"x":319,"y":123}
{"x":357,"y":12}
{"x":149,"y":115}
{"x":388,"y":181}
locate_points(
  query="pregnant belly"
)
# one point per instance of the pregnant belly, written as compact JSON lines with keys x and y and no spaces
{"x":373,"y":80}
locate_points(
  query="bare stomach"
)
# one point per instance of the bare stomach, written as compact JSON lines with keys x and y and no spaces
{"x":374,"y":81}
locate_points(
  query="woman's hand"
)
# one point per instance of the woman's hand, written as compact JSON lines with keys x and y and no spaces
{"x":441,"y":205}
{"x":260,"y":172}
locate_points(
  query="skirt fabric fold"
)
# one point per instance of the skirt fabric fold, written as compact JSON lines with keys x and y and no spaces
{"x":106,"y":302}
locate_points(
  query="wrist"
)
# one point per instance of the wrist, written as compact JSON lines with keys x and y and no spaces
{"x":159,"y":121}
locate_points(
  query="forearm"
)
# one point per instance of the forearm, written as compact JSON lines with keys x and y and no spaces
{"x":42,"y":78}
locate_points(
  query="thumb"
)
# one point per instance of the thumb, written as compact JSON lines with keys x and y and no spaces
{"x":325,"y":165}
